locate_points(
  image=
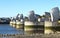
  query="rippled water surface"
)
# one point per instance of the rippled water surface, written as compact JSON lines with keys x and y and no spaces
{"x":7,"y":29}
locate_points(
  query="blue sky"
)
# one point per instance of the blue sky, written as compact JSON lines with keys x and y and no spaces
{"x":10,"y":8}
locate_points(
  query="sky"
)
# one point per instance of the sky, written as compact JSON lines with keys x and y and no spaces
{"x":10,"y":8}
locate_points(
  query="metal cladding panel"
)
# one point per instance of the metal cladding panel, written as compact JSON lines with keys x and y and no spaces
{"x":54,"y":14}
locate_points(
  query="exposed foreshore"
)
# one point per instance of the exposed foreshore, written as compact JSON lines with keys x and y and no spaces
{"x":30,"y":36}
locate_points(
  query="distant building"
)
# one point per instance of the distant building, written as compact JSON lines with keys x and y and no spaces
{"x":54,"y":14}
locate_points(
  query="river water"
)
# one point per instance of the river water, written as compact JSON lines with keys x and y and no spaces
{"x":7,"y":29}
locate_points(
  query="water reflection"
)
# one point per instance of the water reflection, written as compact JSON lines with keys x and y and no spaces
{"x":7,"y":29}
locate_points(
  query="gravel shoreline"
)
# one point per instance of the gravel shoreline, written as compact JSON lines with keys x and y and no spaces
{"x":30,"y":36}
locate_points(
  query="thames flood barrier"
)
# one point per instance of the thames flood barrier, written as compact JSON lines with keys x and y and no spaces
{"x":19,"y":25}
{"x":48,"y":27}
{"x":11,"y":23}
{"x":29,"y":27}
{"x":33,"y":28}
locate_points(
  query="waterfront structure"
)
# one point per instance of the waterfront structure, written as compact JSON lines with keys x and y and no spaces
{"x":31,"y":16}
{"x":14,"y":22}
{"x":39,"y":19}
{"x":40,"y":27}
{"x":48,"y":27}
{"x":29,"y":27}
{"x":20,"y":24}
{"x":34,"y":23}
{"x":53,"y":25}
{"x":42,"y":19}
{"x":29,"y":24}
{"x":19,"y":16}
{"x":11,"y":22}
{"x":47,"y":16}
{"x":19,"y":21}
{"x":54,"y":14}
{"x":32,"y":26}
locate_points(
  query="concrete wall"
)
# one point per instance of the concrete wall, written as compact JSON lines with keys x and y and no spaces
{"x":48,"y":27}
